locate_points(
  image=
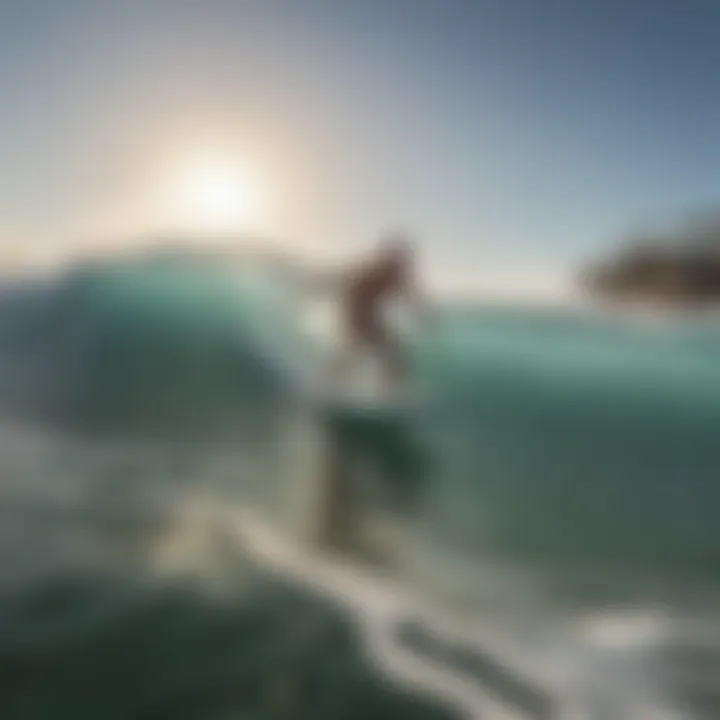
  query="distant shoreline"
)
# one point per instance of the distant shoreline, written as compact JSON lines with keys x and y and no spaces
{"x":566,"y":299}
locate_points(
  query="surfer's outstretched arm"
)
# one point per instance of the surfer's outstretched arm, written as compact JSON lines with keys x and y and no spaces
{"x":327,"y":282}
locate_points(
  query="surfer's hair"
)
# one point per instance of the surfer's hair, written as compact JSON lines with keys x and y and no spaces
{"x":396,"y":245}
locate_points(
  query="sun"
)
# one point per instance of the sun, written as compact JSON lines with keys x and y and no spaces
{"x":215,"y":194}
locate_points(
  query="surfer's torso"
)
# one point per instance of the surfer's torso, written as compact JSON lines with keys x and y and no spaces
{"x":365,"y":294}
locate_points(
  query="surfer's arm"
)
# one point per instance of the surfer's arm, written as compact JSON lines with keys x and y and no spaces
{"x":324,"y":282}
{"x":417,"y":300}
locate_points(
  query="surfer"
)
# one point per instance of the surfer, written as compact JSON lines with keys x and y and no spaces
{"x":364,"y":294}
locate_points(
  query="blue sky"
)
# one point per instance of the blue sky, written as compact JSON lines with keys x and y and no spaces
{"x":511,"y":135}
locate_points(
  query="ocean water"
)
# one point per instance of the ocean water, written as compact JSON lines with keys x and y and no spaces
{"x":560,"y":480}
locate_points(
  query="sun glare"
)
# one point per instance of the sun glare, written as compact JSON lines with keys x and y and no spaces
{"x":216,"y":195}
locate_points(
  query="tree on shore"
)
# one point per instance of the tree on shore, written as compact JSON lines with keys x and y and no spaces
{"x":680,"y":265}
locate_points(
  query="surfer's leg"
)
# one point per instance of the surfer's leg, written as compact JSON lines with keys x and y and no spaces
{"x":344,"y":361}
{"x":396,"y":370}
{"x":358,"y":336}
{"x":341,"y":365}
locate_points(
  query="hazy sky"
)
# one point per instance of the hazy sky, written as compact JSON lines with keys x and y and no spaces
{"x":514,"y":136}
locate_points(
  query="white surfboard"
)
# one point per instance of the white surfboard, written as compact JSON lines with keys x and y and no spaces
{"x":380,"y":604}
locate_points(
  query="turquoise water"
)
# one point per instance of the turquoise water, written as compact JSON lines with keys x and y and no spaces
{"x":555,"y":437}
{"x":578,"y":450}
{"x":581,"y":441}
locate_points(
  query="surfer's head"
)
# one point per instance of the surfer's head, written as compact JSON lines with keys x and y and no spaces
{"x":396,"y":249}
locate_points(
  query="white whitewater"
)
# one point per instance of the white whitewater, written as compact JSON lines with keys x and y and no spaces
{"x":379,"y":604}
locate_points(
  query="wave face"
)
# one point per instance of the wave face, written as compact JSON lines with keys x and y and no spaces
{"x":579,"y":439}
{"x":556,"y":437}
{"x":560,"y":459}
